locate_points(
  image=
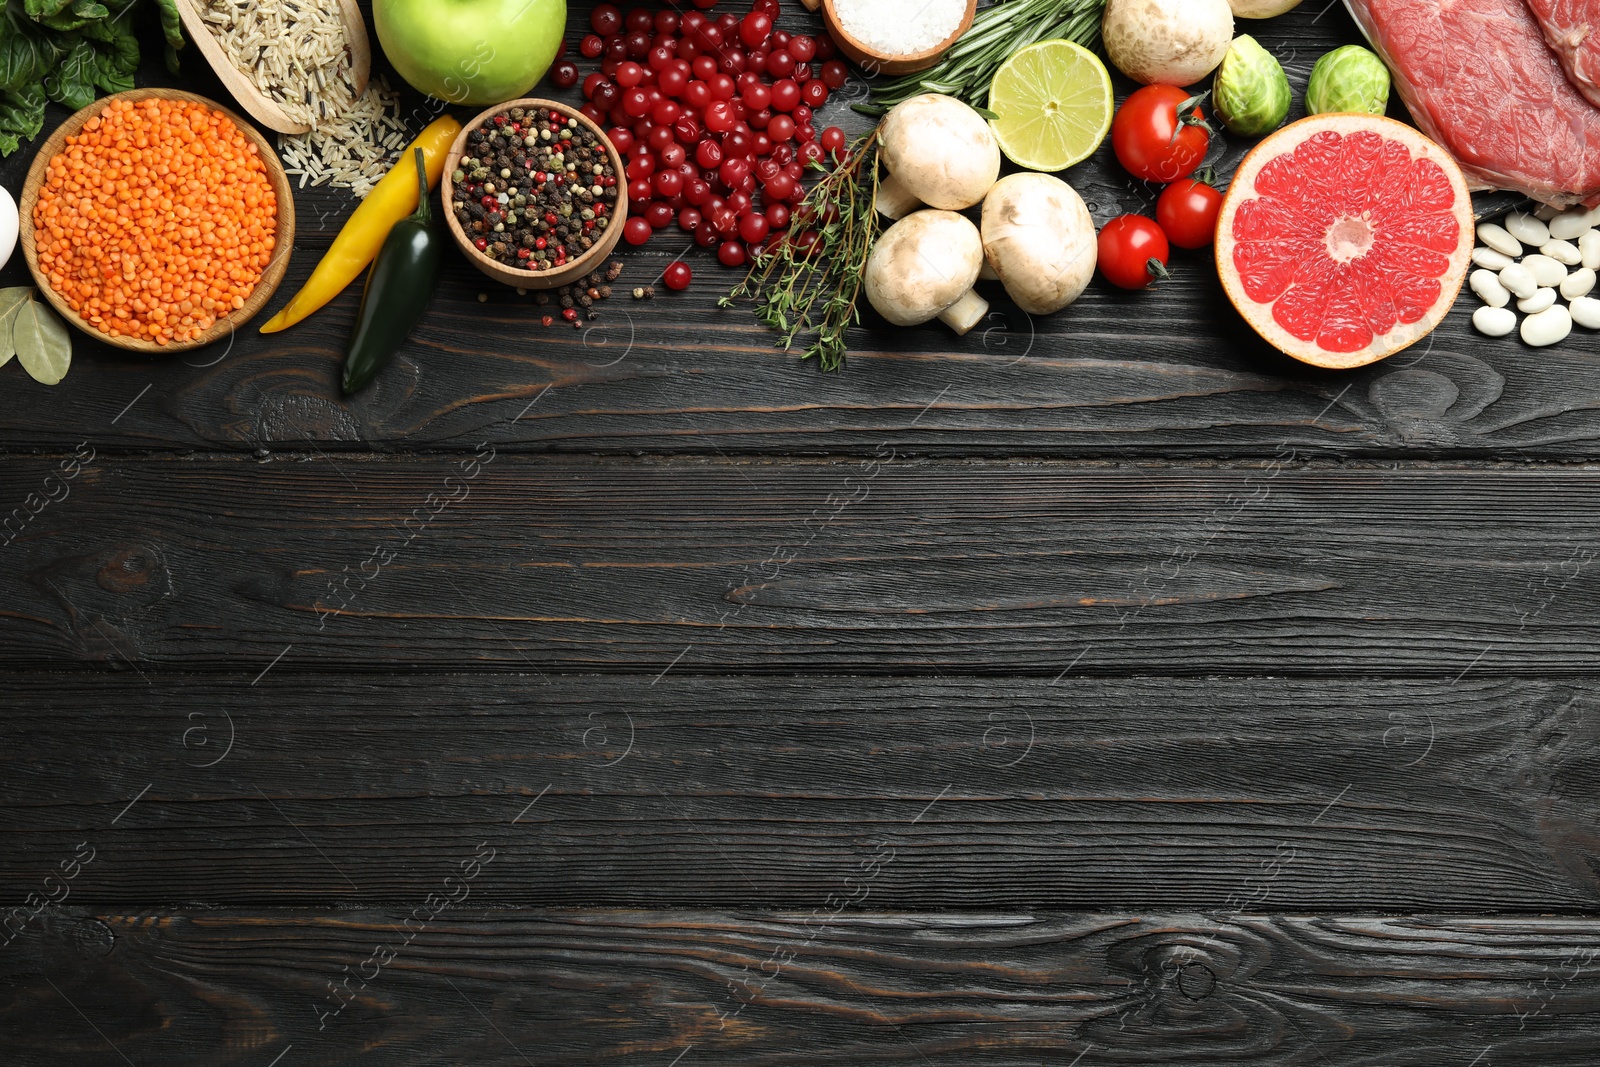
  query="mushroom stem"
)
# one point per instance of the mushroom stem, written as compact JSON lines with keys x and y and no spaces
{"x":895,"y":199}
{"x":965,"y":313}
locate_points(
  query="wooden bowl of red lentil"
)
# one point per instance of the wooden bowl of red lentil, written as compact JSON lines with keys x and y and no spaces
{"x":590,"y":260}
{"x":246,"y":300}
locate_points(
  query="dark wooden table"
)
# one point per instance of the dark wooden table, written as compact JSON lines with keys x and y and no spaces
{"x":1099,"y":689}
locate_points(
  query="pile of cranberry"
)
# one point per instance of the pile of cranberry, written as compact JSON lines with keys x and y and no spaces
{"x":706,"y":110}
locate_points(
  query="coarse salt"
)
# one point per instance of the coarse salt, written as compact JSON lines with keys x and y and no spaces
{"x":900,"y":27}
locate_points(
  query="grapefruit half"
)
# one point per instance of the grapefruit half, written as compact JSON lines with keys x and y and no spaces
{"x":1345,"y":238}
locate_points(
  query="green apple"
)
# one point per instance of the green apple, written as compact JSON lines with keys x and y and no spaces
{"x":471,"y":51}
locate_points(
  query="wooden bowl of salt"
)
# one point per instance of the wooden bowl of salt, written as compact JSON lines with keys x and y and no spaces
{"x":897,"y":36}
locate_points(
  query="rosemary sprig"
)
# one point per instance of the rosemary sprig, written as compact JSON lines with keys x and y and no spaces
{"x":996,"y":33}
{"x":814,"y":290}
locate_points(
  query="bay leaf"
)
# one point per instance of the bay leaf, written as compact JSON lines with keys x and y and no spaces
{"x":44,"y":348}
{"x":10,"y":301}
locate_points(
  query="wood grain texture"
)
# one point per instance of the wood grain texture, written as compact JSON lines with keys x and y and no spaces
{"x":362,"y":564}
{"x":1212,"y":794}
{"x":1001,"y":988}
{"x":1116,"y":375}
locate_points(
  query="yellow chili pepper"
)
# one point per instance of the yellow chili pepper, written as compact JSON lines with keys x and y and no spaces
{"x":391,"y":200}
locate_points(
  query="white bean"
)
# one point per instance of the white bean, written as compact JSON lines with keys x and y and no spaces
{"x":1499,"y":239}
{"x":1578,"y":283}
{"x":1570,"y":225}
{"x":1489,"y":259}
{"x":1545,"y":271}
{"x":1589,"y":245}
{"x":1541,"y":299}
{"x":1586,"y":312}
{"x":1519,"y":280}
{"x":1527,"y":229}
{"x":1564,"y":252}
{"x":1487,"y":285}
{"x":1545,"y":213}
{"x":1546,"y":328}
{"x":1495,"y":322}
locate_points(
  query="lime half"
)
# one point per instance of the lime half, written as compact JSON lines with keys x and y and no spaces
{"x":1053,"y":105}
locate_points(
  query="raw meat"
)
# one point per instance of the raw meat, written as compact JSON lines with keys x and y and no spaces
{"x":1573,"y":29}
{"x":1479,"y":79}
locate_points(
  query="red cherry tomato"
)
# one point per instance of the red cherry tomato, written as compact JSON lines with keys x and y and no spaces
{"x":1149,"y":140}
{"x":1187,"y":212}
{"x":1133,"y":251}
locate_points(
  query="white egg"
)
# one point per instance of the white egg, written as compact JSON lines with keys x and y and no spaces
{"x":8,"y":227}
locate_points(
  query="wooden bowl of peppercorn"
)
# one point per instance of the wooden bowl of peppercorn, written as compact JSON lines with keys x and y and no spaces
{"x":495,"y":154}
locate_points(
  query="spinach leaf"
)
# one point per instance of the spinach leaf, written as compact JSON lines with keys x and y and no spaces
{"x":21,"y":116}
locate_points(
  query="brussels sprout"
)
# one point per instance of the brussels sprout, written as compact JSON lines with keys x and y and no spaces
{"x":1251,"y":93}
{"x":1348,"y":79}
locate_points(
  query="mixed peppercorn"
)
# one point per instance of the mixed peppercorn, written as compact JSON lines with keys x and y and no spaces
{"x":535,"y":188}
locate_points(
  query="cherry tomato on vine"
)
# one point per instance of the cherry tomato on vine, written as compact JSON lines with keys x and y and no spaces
{"x":1133,"y":252}
{"x":1150,"y":141}
{"x":1187,"y":212}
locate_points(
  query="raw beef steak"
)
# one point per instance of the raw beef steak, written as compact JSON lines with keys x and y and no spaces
{"x":1573,"y":29}
{"x":1479,"y":79}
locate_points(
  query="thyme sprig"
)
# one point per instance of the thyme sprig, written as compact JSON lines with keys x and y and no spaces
{"x":996,"y":34}
{"x":813,"y":289}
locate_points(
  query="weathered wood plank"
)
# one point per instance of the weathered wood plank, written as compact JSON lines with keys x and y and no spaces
{"x":1116,"y":375}
{"x":1203,"y":794}
{"x":1014,"y":989}
{"x":1003,"y":567}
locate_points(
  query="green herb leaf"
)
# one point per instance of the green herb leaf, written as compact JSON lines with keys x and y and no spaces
{"x":44,"y":348}
{"x":10,"y":301}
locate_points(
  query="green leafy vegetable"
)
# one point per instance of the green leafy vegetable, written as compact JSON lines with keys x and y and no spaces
{"x":44,"y":348}
{"x":68,"y":51}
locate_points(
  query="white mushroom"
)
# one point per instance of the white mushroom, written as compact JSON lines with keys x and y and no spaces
{"x":923,"y":267}
{"x":1167,"y":42}
{"x":939,"y":152}
{"x":1040,"y":240}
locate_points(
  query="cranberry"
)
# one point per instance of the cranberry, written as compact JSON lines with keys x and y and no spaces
{"x":697,"y":94}
{"x":659,"y":138}
{"x":730,"y":254}
{"x":753,"y":227}
{"x":669,"y":183}
{"x":733,"y":171}
{"x":785,"y":95}
{"x":591,"y":46}
{"x":802,"y":73}
{"x":639,"y":19}
{"x":801,"y":47}
{"x":739,"y":202}
{"x":672,"y":81}
{"x":658,"y":215}
{"x":704,"y":67}
{"x":811,"y":151}
{"x":616,"y":48}
{"x":677,"y":276}
{"x":826,"y":49}
{"x":690,"y":21}
{"x":593,"y":114}
{"x":778,"y":216}
{"x":805,"y":133}
{"x":666,"y":22}
{"x":756,"y":62}
{"x":687,"y":129}
{"x":665,"y":113}
{"x":719,"y":116}
{"x":832,"y":140}
{"x":590,"y":83}
{"x":835,"y":74}
{"x":722,"y":87}
{"x":629,"y":74}
{"x":636,"y":232}
{"x":800,"y":114}
{"x":780,"y":39}
{"x":762,"y":143}
{"x":779,"y":187}
{"x":724,"y":220}
{"x":706,"y":235}
{"x":663,"y":56}
{"x":732,"y":62}
{"x":641,"y":165}
{"x":709,"y":37}
{"x":738,"y":145}
{"x":814,"y":93}
{"x":768,"y":8}
{"x":755,"y":28}
{"x":672,"y":156}
{"x":689,"y":220}
{"x":708,"y":154}
{"x":757,"y":96}
{"x":635,"y":102}
{"x":687,"y":48}
{"x":761,"y":119}
{"x":638,"y":45}
{"x":640,"y":189}
{"x":728,"y":23}
{"x":780,"y":64}
{"x":605,"y":19}
{"x":780,"y":129}
{"x":765,"y":168}
{"x":697,"y":192}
